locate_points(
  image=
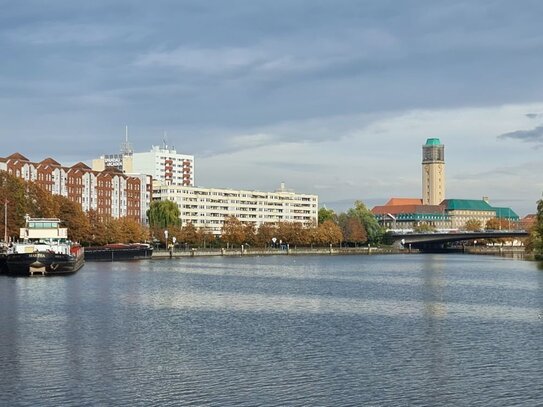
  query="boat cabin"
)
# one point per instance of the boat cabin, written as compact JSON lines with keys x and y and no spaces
{"x":43,"y":229}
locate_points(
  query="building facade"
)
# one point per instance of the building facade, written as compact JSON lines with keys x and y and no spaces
{"x":109,"y":192}
{"x":162,"y":163}
{"x":208,"y":207}
{"x":433,"y":172}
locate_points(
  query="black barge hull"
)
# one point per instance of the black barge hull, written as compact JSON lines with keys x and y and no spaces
{"x":118,"y":253}
{"x":46,"y":264}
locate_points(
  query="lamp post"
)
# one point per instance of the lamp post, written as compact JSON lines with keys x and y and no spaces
{"x":166,"y":237}
{"x":5,"y":221}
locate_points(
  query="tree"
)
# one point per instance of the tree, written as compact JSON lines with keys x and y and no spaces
{"x":473,"y":225}
{"x":12,"y":192}
{"x":535,"y":241}
{"x":97,"y":229}
{"x":250,"y":233}
{"x":233,"y":231}
{"x":368,"y":220}
{"x":353,"y":230}
{"x":292,"y":233}
{"x":327,"y":233}
{"x":498,"y":224}
{"x":265,"y":233}
{"x":72,"y":216}
{"x":424,"y":228}
{"x":206,"y":237}
{"x":189,"y":234}
{"x":327,"y":214}
{"x":163,"y":214}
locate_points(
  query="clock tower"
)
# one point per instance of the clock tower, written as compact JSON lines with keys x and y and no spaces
{"x":433,"y":172}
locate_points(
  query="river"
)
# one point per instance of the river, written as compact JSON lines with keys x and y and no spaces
{"x":390,"y":330}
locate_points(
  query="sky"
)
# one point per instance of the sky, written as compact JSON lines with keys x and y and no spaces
{"x":331,"y":97}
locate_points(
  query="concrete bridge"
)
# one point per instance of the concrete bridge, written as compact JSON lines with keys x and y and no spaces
{"x":438,"y":241}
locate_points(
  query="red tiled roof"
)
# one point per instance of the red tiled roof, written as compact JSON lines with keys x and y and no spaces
{"x":17,"y":156}
{"x":396,"y":209}
{"x":404,"y":201}
{"x":80,"y":165}
{"x":50,"y":161}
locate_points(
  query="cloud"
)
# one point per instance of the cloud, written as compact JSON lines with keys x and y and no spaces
{"x":534,"y":135}
{"x":57,"y":33}
{"x":534,"y":115}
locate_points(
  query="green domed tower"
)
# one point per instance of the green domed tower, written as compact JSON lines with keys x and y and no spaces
{"x":433,"y":172}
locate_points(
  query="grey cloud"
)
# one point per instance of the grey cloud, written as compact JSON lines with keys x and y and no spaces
{"x":534,"y":135}
{"x":534,"y":115}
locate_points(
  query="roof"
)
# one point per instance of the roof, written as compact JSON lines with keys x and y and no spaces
{"x":17,"y":156}
{"x":467,"y":205}
{"x":506,"y":213}
{"x":413,"y":209}
{"x":80,"y":165}
{"x":404,"y":201}
{"x":49,"y":161}
{"x":433,"y":142}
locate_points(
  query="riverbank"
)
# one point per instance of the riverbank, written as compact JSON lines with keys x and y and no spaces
{"x":340,"y":251}
{"x":275,"y":252}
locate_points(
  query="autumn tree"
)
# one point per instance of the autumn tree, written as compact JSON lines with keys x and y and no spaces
{"x":250,"y":233}
{"x":190,"y":234}
{"x":205,"y":237}
{"x":72,"y":216}
{"x":265,"y":233}
{"x":367,"y":219}
{"x":327,"y":233}
{"x":292,"y":233}
{"x":498,"y":224}
{"x":424,"y":228}
{"x":473,"y":225}
{"x":12,"y":194}
{"x":130,"y":230}
{"x":163,"y":214}
{"x":233,"y":231}
{"x":97,"y":234}
{"x":535,"y":241}
{"x":353,"y":230}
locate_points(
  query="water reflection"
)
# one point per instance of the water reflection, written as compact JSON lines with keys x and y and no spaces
{"x":361,"y":330}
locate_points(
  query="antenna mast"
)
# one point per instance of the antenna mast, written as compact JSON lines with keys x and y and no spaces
{"x":126,"y":147}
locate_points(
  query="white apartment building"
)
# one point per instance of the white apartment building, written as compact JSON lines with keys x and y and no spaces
{"x":162,"y":163}
{"x":208,"y":207}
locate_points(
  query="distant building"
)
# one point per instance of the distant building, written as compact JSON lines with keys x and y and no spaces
{"x":109,"y":192}
{"x":464,"y":210}
{"x":433,"y":172}
{"x":208,"y":207}
{"x":528,"y":222}
{"x":409,"y":213}
{"x":162,"y":163}
{"x":433,"y":209}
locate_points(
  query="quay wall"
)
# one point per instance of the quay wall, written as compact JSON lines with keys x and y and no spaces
{"x":273,"y":252}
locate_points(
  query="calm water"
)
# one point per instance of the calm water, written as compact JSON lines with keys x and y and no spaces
{"x":417,"y":330}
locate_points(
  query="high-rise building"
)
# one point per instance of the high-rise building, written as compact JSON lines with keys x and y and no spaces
{"x":164,"y":164}
{"x":433,"y":172}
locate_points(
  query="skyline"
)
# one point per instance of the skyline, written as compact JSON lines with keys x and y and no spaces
{"x":332,"y":98}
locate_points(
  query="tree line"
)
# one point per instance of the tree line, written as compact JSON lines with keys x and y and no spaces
{"x":535,"y":240}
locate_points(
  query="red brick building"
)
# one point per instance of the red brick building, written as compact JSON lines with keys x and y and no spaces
{"x":109,"y":192}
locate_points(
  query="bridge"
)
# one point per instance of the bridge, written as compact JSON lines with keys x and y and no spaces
{"x":438,"y":241}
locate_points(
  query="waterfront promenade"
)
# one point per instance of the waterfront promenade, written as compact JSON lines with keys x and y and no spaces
{"x":321,"y":251}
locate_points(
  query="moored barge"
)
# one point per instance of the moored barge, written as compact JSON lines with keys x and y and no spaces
{"x":45,"y":250}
